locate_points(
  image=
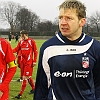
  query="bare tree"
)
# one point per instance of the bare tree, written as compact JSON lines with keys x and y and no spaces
{"x":27,"y":19}
{"x":95,"y":20}
{"x":34,"y":21}
{"x":8,"y":12}
{"x":55,"y":24}
{"x":23,"y":17}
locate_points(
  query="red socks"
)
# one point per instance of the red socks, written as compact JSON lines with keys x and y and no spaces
{"x":31,"y":82}
{"x":24,"y":82}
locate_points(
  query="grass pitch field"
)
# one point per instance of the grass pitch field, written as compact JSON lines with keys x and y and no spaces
{"x":14,"y":85}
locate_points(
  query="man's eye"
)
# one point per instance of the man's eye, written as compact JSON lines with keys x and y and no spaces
{"x":60,"y":17}
{"x":69,"y":18}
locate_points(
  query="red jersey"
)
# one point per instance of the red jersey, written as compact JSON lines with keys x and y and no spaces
{"x":6,"y":56}
{"x":28,"y":51}
{"x":6,"y":74}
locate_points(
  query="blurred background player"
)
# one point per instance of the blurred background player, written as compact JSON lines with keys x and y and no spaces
{"x":7,"y":68}
{"x":29,"y":55}
{"x":16,"y":37}
{"x":10,"y":37}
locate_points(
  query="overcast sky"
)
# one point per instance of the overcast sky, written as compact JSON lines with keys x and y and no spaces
{"x":48,"y":9}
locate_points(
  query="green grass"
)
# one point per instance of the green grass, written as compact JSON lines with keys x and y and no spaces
{"x":14,"y":85}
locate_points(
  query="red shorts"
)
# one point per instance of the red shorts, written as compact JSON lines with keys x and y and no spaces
{"x":26,"y":70}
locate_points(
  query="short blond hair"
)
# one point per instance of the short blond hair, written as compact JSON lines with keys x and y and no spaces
{"x":75,"y":4}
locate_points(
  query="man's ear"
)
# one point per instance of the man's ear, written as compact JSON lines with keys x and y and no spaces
{"x":82,"y":22}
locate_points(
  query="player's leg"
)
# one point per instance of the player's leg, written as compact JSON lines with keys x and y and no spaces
{"x":24,"y":78}
{"x":9,"y":40}
{"x":31,"y":82}
{"x":24,"y":83}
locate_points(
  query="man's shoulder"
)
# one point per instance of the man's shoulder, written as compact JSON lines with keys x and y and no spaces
{"x":3,"y":40}
{"x":50,"y":42}
{"x":31,"y":39}
{"x":4,"y":44}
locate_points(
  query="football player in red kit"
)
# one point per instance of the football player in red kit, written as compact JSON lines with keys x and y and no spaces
{"x":29,"y":55}
{"x":7,"y":68}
